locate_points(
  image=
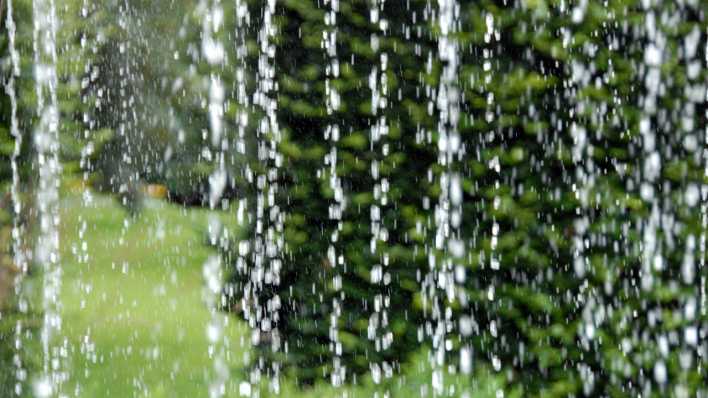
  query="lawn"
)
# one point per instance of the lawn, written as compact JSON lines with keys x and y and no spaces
{"x":133,"y":312}
{"x":135,"y":320}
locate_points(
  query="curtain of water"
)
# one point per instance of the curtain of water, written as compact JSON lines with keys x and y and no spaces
{"x":448,"y":211}
{"x":19,"y":256}
{"x":442,"y":286}
{"x":89,"y":73}
{"x":17,"y":135}
{"x":652,"y":256}
{"x":88,"y":46}
{"x":336,"y":207}
{"x":269,"y":243}
{"x":126,"y":175}
{"x":378,"y":329}
{"x":214,"y":53}
{"x":686,"y":140}
{"x":46,"y":141}
{"x":583,"y":185}
{"x":490,"y":36}
{"x":242,"y":98}
{"x":242,"y":21}
{"x":428,"y":279}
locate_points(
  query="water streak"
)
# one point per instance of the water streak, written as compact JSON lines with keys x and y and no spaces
{"x":338,"y":204}
{"x":448,"y":211}
{"x":18,"y":228}
{"x":269,"y":243}
{"x":46,"y":141}
{"x":214,"y":53}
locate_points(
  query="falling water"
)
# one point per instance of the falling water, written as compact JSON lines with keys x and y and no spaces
{"x":448,"y":212}
{"x":81,"y":249}
{"x":378,"y":328}
{"x":19,"y":256}
{"x":269,"y":242}
{"x":623,"y":285}
{"x":242,"y":98}
{"x":242,"y":21}
{"x":90,"y":73}
{"x":214,"y":53}
{"x":490,"y":36}
{"x":582,"y":151}
{"x":46,"y":140}
{"x":690,"y":194}
{"x":337,"y":206}
{"x":15,"y":132}
{"x":652,"y":256}
{"x":212,"y":271}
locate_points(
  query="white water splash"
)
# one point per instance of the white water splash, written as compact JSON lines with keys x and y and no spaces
{"x":269,"y":243}
{"x":46,"y":141}
{"x":338,"y":204}
{"x":448,"y":211}
{"x":18,"y":228}
{"x":212,"y":15}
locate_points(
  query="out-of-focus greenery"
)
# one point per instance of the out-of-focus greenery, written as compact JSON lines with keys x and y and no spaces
{"x":125,"y":109}
{"x":10,"y":314}
{"x":561,"y":329}
{"x":134,"y":310}
{"x":132,"y":94}
{"x":579,"y":304}
{"x":306,"y":287}
{"x":533,"y":88}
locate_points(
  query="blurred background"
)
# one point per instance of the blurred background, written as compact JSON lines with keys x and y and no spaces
{"x":353,"y":198}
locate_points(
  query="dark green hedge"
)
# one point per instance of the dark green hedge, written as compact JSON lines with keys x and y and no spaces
{"x":574,"y":307}
{"x":566,"y":109}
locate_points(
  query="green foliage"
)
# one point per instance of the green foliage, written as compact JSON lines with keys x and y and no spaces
{"x":10,"y":313}
{"x":555,"y":329}
{"x":578,"y":304}
{"x":307,"y":289}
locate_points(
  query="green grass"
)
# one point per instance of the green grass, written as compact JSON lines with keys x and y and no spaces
{"x":134,"y":317}
{"x":137,"y":301}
